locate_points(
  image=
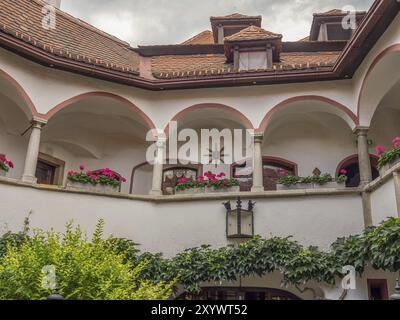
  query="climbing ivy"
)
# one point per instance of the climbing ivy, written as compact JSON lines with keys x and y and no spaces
{"x":378,"y":246}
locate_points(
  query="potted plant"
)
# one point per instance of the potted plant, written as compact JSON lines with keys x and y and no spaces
{"x":102,"y":180}
{"x":187,"y":186}
{"x":312,"y":182}
{"x":390,"y":158}
{"x":218,"y":183}
{"x":5,"y":166}
{"x":209,"y":183}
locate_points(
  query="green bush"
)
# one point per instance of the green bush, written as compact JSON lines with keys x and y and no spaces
{"x":96,"y":270}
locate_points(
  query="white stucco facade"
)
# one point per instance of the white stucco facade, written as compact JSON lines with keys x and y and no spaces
{"x":103,"y":124}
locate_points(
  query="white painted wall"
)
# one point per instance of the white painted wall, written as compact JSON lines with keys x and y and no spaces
{"x":383,"y":202}
{"x":171,"y":227}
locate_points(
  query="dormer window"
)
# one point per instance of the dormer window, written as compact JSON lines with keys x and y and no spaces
{"x":327,"y":26}
{"x":334,"y":31}
{"x":226,"y":26}
{"x":253,"y":48}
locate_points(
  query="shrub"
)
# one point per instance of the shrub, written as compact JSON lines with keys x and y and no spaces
{"x":97,"y":270}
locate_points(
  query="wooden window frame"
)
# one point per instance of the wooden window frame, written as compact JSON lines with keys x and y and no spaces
{"x":59,"y":167}
{"x":380,"y":282}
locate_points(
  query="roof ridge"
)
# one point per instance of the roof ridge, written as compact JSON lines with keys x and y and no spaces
{"x":196,"y":36}
{"x":85,"y":24}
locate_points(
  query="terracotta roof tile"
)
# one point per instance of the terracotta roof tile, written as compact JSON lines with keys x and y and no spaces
{"x":235,"y":16}
{"x":213,"y":65}
{"x":72,"y":39}
{"x":253,"y":33}
{"x":205,"y":37}
{"x":335,"y":12}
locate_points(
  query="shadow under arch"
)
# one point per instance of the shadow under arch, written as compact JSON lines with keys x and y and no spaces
{"x":125,"y":102}
{"x":236,"y":114}
{"x":372,"y":90}
{"x":27,"y":107}
{"x":333,"y":107}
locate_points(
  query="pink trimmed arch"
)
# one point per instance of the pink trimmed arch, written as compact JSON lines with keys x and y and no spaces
{"x":243,"y":120}
{"x":87,"y":95}
{"x":292,"y":100}
{"x":28,"y":102}
{"x":378,"y":58}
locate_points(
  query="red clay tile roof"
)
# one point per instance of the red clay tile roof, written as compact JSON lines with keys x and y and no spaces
{"x":235,"y":16}
{"x":72,"y":39}
{"x":205,"y":37}
{"x":253,"y":33}
{"x":336,"y":12}
{"x":172,"y":67}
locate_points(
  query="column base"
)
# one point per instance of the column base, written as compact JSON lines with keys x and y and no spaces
{"x":257,"y":189}
{"x":155,"y":193}
{"x":29,"y":179}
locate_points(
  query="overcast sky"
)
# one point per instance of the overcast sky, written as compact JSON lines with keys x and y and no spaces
{"x":174,"y":21}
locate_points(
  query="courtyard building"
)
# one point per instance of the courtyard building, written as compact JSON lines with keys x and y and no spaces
{"x":74,"y":96}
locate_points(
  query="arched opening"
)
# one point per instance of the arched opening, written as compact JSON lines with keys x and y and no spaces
{"x":16,"y":112}
{"x":271,"y":168}
{"x":312,"y":133}
{"x":214,"y":155}
{"x":97,"y":130}
{"x":378,"y":82}
{"x":351,"y":165}
{"x":142,"y":174}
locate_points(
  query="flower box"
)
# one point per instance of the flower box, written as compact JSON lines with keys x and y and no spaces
{"x":190,"y":191}
{"x":95,"y":188}
{"x":222,"y":190}
{"x":102,"y":180}
{"x":297,"y":186}
{"x":389,"y":165}
{"x":304,"y":186}
{"x":330,"y":185}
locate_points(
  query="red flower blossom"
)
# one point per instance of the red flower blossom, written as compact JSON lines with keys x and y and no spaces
{"x":11,"y":165}
{"x":82,"y":167}
{"x":123,"y":179}
{"x":182,"y":180}
{"x":380,"y":150}
{"x":396,"y":142}
{"x":282,"y":173}
{"x":93,"y":178}
{"x":343,"y":172}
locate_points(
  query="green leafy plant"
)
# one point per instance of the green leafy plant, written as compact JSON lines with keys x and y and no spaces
{"x":96,"y":270}
{"x":104,"y":177}
{"x":6,"y":164}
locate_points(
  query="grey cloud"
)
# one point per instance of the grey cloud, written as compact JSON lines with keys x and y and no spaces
{"x":173,"y":21}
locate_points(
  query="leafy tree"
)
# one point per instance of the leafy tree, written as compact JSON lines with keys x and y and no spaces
{"x":96,"y":270}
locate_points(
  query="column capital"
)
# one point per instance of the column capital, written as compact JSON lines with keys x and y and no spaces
{"x":361,"y":130}
{"x":258,"y":137}
{"x":38,"y":122}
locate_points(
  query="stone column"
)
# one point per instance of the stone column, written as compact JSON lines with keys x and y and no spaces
{"x":158,"y":168}
{"x":220,"y":34}
{"x":32,"y":153}
{"x":363,"y":155}
{"x":258,"y":181}
{"x":396,"y":178}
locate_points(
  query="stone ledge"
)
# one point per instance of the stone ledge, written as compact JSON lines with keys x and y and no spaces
{"x":374,"y":185}
{"x":189,"y":197}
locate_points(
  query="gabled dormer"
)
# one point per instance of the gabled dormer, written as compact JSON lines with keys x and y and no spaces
{"x":328,"y":26}
{"x":253,"y":48}
{"x":226,"y":26}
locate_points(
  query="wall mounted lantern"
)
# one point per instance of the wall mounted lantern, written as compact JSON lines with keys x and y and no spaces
{"x":239,"y":221}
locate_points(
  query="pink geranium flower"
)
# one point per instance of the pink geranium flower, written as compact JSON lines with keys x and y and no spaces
{"x":182,"y":180}
{"x":396,"y":142}
{"x":343,"y":172}
{"x":282,"y":173}
{"x":123,"y":179}
{"x":93,"y":178}
{"x":82,"y":167}
{"x":380,"y":150}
